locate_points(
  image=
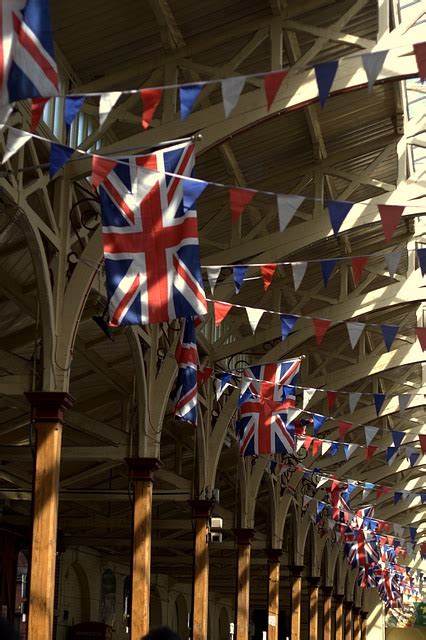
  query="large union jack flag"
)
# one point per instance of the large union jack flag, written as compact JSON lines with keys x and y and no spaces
{"x":263,"y":426}
{"x":150,"y":238}
{"x":27,"y":63}
{"x":362,"y":551}
{"x":185,"y":392}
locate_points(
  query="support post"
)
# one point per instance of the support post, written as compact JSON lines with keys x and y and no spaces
{"x":47,"y":414}
{"x":313,"y":583}
{"x":357,"y":623}
{"x":296,"y":600}
{"x":348,"y":620}
{"x":326,"y":592}
{"x":339,"y":626}
{"x":243,"y":539}
{"x":364,"y":616}
{"x":141,"y":474}
{"x":273,"y":556}
{"x":201,"y":513}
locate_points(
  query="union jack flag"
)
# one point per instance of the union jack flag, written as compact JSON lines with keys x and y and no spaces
{"x":27,"y":63}
{"x":150,"y":238}
{"x":361,"y":551}
{"x":185,"y":393}
{"x":263,"y":426}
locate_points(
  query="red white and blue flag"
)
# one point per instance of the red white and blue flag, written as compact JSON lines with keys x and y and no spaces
{"x":27,"y":62}
{"x":185,"y":392}
{"x":150,"y":238}
{"x":263,"y":426}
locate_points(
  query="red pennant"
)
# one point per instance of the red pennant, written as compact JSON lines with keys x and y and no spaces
{"x":272,"y":83}
{"x":203,"y":375}
{"x":307,"y":442}
{"x":381,"y":491}
{"x":268,"y":271}
{"x":320,"y":328}
{"x":335,"y":484}
{"x":101,"y":167}
{"x":331,"y":399}
{"x":422,"y":438}
{"x":221,"y":310}
{"x":370,"y":451}
{"x":150,"y":100}
{"x":358,"y":265}
{"x":239,"y":199}
{"x":421,"y":336}
{"x":420,"y":53}
{"x":37,"y":106}
{"x":315,"y":446}
{"x":343,"y":429}
{"x":390,"y":215}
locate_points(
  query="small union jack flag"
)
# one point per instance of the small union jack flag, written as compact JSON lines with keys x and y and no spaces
{"x":27,"y":62}
{"x":263,"y":426}
{"x":185,"y":393}
{"x":150,"y":238}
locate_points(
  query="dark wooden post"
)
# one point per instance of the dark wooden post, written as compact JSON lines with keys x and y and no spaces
{"x":243,"y":538}
{"x":313,"y":583}
{"x":364,"y":616}
{"x":327,"y":591}
{"x":273,"y":556}
{"x":201,"y":513}
{"x":357,"y":623}
{"x":339,"y":617}
{"x":348,"y":620}
{"x":296,"y":600}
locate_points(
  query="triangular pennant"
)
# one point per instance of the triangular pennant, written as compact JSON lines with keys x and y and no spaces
{"x":316,"y":446}
{"x":334,"y":448}
{"x":338,"y":210}
{"x":331,"y":399}
{"x":268,"y":271}
{"x":300,"y":442}
{"x":107,"y":102}
{"x":288,"y":390}
{"x":292,"y":414}
{"x":392,"y":261}
{"x":239,"y":199}
{"x":370,"y":433}
{"x":15,"y":140}
{"x":389,"y":332}
{"x":373,"y":63}
{"x":318,"y":421}
{"x":307,"y":442}
{"x":413,"y":457}
{"x":254,"y":315}
{"x":327,"y":267}
{"x":413,"y":533}
{"x":420,"y":53}
{"x":325,"y":446}
{"x":213,"y":274}
{"x":37,"y":107}
{"x":391,"y":454}
{"x":239,"y":272}
{"x":370,"y":451}
{"x":231,"y":91}
{"x":390,"y":215}
{"x":101,"y":167}
{"x":349,"y":449}
{"x":222,"y":383}
{"x":343,"y":429}
{"x":322,"y":480}
{"x":355,"y":330}
{"x":421,"y":336}
{"x":187,"y":97}
{"x":287,"y":324}
{"x":397,"y":437}
{"x":358,"y":264}
{"x":287,"y":206}
{"x":298,"y":270}
{"x":59,"y":155}
{"x":421,"y":256}
{"x":422,"y":440}
{"x":325,"y":73}
{"x":72,"y":108}
{"x":150,"y":100}
{"x":379,"y":399}
{"x":5,"y":112}
{"x":403,"y":400}
{"x":221,"y":310}
{"x":353,"y":398}
{"x":272,"y":82}
{"x":320,"y":328}
{"x":308,"y":394}
{"x":192,"y":190}
{"x":397,"y":497}
{"x":203,"y":375}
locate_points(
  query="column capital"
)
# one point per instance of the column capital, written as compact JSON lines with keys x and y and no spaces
{"x":202,"y":508}
{"x":339,"y":597}
{"x":296,"y":570}
{"x":327,"y":590}
{"x":48,"y":406}
{"x":357,"y":610}
{"x":313,"y":581}
{"x":364,"y":614}
{"x":142,"y":468}
{"x":244,"y":536}
{"x":273,"y":555}
{"x":348,"y":604}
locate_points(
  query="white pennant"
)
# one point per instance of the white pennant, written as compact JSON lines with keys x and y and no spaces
{"x":254,"y":316}
{"x":370,"y":433}
{"x":287,"y":207}
{"x":331,"y":524}
{"x":354,"y":397}
{"x":398,"y":530}
{"x":349,"y":449}
{"x":410,"y":549}
{"x":5,"y":112}
{"x":322,"y":480}
{"x":373,"y":63}
{"x":15,"y":140}
{"x":392,"y":261}
{"x":409,"y":452}
{"x":231,"y":91}
{"x":308,"y":394}
{"x":365,"y":493}
{"x":298,"y":270}
{"x":306,"y":501}
{"x":292,"y":414}
{"x":325,"y":447}
{"x":245,"y":383}
{"x":106,"y":103}
{"x":299,"y":443}
{"x":355,"y":330}
{"x":212,"y":275}
{"x":405,"y":494}
{"x":403,"y":399}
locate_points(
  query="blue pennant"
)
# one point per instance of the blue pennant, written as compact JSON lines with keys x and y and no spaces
{"x":413,"y":531}
{"x":390,"y":452}
{"x":191,"y":192}
{"x":379,"y":399}
{"x":288,"y":390}
{"x":325,"y":73}
{"x":338,"y":210}
{"x":327,"y":267}
{"x":287,"y":323}
{"x":389,"y":332}
{"x":423,"y":498}
{"x":72,"y":107}
{"x":421,"y":255}
{"x":397,"y":496}
{"x":413,"y":458}
{"x":318,"y":422}
{"x":187,"y":97}
{"x":334,"y":448}
{"x":397,"y":437}
{"x":239,"y":273}
{"x":59,"y":155}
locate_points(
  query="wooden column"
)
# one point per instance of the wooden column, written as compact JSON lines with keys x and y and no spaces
{"x":364,"y":616}
{"x":348,"y":620}
{"x":201,"y":513}
{"x":326,"y":593}
{"x":357,"y":623}
{"x":243,"y":538}
{"x":273,"y":556}
{"x":340,"y":625}
{"x":296,"y":601}
{"x":141,"y":474}
{"x":313,"y":583}
{"x":47,"y":413}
